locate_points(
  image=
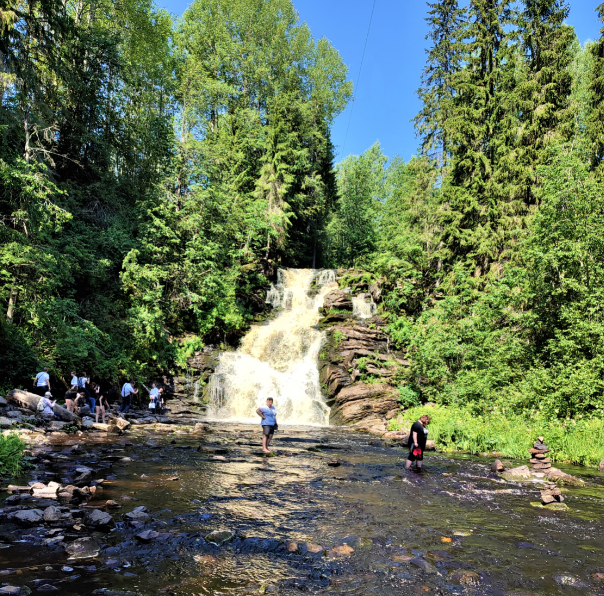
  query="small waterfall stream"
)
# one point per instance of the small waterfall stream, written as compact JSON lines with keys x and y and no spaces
{"x":279,"y":359}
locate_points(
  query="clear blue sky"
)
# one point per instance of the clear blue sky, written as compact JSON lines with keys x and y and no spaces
{"x":385,"y":98}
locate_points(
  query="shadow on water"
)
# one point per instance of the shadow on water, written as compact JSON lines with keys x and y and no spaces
{"x":367,"y":526}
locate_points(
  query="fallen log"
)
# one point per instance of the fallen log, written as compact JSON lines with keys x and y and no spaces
{"x":24,"y":399}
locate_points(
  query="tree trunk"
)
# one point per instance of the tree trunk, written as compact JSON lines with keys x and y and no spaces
{"x":12,"y":300}
{"x":24,"y":399}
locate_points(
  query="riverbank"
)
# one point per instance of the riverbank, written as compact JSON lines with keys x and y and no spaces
{"x":579,"y":442}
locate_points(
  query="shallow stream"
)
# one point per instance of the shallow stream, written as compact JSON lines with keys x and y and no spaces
{"x":454,"y":528}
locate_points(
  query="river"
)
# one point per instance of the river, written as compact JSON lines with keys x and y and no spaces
{"x":454,"y":528}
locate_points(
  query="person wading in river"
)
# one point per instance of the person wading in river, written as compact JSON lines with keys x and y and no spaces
{"x":268,"y":422}
{"x":417,"y":441}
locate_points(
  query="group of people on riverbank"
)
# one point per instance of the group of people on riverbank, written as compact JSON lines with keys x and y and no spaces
{"x":84,"y":392}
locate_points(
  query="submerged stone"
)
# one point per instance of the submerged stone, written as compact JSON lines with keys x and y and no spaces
{"x":219,"y":537}
{"x":83,"y":548}
{"x":567,"y":579}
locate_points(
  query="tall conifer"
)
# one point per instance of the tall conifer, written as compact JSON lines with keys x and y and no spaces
{"x":437,"y":92}
{"x":478,"y":134}
{"x":595,"y":129}
{"x":543,"y":89}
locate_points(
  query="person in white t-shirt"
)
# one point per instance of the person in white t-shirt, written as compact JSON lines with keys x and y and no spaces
{"x":42,"y":382}
{"x":128,"y":391}
{"x":153,"y":398}
{"x":268,"y":422}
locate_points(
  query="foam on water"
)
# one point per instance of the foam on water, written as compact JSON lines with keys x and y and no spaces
{"x":279,"y":359}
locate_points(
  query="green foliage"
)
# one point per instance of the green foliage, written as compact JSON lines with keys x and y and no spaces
{"x":578,"y":441}
{"x":352,"y":232}
{"x":11,"y":454}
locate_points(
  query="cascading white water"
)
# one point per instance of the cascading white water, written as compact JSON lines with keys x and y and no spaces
{"x":279,"y":359}
{"x":363,"y":307}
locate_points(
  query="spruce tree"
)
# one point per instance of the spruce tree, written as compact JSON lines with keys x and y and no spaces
{"x":595,"y":127}
{"x":478,"y":129}
{"x":437,"y":92}
{"x":543,"y":89}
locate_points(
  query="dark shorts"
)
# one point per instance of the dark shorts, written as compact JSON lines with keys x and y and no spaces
{"x":412,"y":457}
{"x":268,"y":429}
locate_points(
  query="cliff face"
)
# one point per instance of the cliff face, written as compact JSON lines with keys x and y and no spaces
{"x":359,"y":370}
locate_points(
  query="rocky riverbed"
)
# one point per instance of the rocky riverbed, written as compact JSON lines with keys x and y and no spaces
{"x":198,"y":510}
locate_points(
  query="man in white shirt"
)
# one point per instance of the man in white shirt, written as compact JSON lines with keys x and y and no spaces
{"x":153,"y":397}
{"x":128,"y":391}
{"x":42,"y":382}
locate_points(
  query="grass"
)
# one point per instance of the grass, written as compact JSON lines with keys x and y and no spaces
{"x":578,"y":441}
{"x":11,"y":454}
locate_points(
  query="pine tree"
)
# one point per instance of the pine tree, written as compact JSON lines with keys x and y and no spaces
{"x":595,"y":127}
{"x":437,"y":92}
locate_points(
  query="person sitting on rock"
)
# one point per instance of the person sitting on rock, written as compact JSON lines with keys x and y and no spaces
{"x":418,"y":438}
{"x":42,"y":382}
{"x":74,"y":405}
{"x":153,"y":394}
{"x":45,"y":406}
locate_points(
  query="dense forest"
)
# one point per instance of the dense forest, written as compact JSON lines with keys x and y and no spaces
{"x":155,"y":173}
{"x":152,"y":174}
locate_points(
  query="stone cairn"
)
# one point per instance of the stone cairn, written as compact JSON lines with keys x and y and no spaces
{"x":539,"y":460}
{"x":541,"y":463}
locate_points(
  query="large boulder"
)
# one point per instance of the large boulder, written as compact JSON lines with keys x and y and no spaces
{"x":29,"y":517}
{"x":99,"y":519}
{"x":556,"y":475}
{"x":363,"y":401}
{"x":338,"y":300}
{"x":519,"y":473}
{"x":334,"y":378}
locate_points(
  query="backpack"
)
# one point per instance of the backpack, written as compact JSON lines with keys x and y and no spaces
{"x":41,"y":406}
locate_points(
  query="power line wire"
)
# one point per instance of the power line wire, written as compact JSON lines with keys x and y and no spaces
{"x":359,"y":75}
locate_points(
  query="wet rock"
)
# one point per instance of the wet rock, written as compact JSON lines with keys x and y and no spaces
{"x":147,"y":536}
{"x":334,"y":463}
{"x":83,"y":548}
{"x":338,"y":300}
{"x":112,"y":505}
{"x":519,"y":473}
{"x":497,"y":466}
{"x":10,"y":590}
{"x":219,"y":537}
{"x":99,"y":519}
{"x":52,"y":514}
{"x":558,"y":476}
{"x":47,"y":588}
{"x":343,"y":550}
{"x":29,"y":517}
{"x":271,"y":589}
{"x":423,"y":565}
{"x":291,"y":547}
{"x":83,"y":479}
{"x":309,"y":547}
{"x":363,"y":401}
{"x":465,"y":578}
{"x":138,"y":514}
{"x":567,"y":579}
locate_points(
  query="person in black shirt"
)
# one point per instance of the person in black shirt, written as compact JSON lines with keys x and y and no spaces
{"x":417,"y":442}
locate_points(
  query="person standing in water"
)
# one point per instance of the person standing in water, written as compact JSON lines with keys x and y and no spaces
{"x":417,"y":442}
{"x":268,"y":422}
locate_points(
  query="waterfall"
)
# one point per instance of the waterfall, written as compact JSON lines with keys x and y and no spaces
{"x":363,"y":306}
{"x":278,"y":359}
